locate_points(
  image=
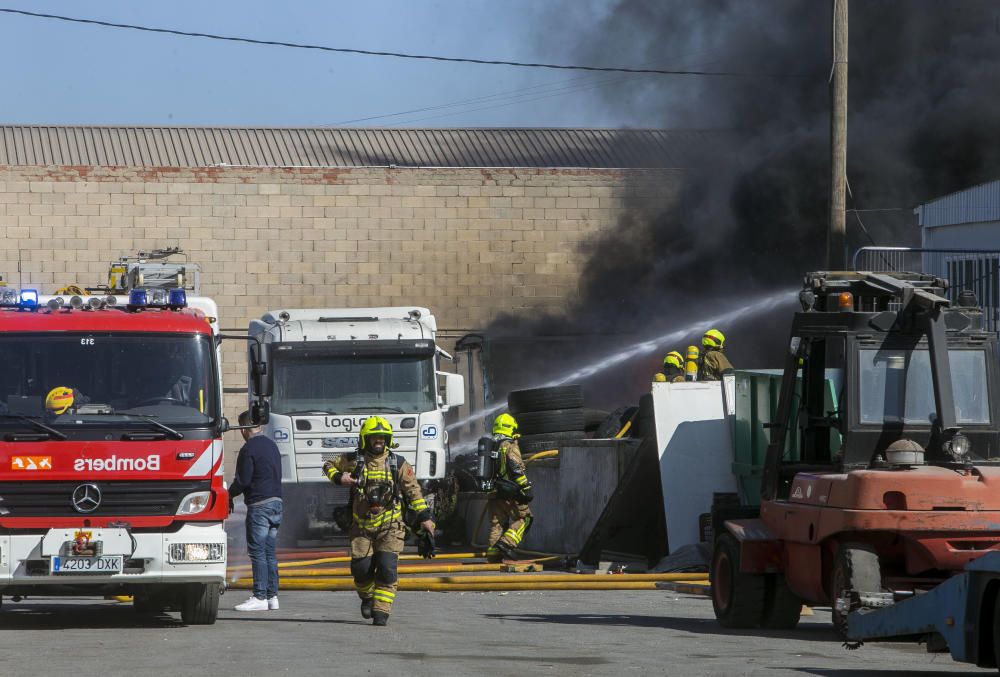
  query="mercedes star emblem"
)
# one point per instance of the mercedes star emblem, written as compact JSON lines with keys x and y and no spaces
{"x":86,"y":498}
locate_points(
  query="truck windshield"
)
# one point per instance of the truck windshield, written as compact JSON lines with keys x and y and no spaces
{"x":167,"y":376}
{"x":337,"y":384}
{"x":896,"y":386}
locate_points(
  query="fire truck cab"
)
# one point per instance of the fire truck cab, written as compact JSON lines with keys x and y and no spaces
{"x":111,"y":455}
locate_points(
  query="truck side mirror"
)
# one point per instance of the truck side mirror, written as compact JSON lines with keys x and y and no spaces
{"x":261,"y":376}
{"x":260,"y":412}
{"x":454,"y":390}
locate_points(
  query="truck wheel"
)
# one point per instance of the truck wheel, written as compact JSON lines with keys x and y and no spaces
{"x":544,"y":399}
{"x":738,"y":599}
{"x":200,"y":605}
{"x":782,"y":607}
{"x":855,"y":567}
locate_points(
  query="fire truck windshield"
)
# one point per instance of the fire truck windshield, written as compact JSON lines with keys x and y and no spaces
{"x":337,"y":384}
{"x":896,"y":386}
{"x":115,"y":378}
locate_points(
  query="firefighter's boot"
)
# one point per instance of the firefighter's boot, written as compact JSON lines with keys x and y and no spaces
{"x":380,"y":618}
{"x":505,"y":551}
{"x":366,"y":607}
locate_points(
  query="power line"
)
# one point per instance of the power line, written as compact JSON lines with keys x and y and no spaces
{"x":399,"y":55}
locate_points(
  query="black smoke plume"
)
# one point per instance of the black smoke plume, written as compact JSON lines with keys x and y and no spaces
{"x":751,"y":214}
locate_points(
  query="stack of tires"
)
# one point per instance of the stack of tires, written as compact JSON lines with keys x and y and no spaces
{"x":546,"y":416}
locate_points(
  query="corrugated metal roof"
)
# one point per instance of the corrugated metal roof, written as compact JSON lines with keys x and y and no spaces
{"x":352,"y":147}
{"x":972,"y":205}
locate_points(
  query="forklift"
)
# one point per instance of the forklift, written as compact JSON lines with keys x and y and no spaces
{"x":882,"y":473}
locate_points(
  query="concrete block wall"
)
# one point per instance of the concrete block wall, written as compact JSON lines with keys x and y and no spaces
{"x":468,"y":243}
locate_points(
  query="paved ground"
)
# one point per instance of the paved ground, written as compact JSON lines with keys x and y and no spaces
{"x":517,"y":633}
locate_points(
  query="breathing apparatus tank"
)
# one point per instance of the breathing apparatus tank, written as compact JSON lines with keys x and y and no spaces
{"x":487,"y":457}
{"x":691,"y":364}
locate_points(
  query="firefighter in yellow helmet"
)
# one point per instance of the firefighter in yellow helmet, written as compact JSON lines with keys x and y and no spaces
{"x":510,"y":517}
{"x":381,"y":483}
{"x":714,"y":362}
{"x":59,"y":400}
{"x":673,"y":367}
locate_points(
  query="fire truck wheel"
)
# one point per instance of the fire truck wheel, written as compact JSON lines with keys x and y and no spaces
{"x":855,"y":567}
{"x":200,"y":605}
{"x":782,"y":607}
{"x":738,"y":599}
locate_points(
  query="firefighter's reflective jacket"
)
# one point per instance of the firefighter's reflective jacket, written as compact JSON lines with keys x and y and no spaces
{"x":510,"y":466}
{"x":713,"y":365}
{"x":387,"y":468}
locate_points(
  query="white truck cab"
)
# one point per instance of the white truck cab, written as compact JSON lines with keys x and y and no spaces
{"x":333,"y":368}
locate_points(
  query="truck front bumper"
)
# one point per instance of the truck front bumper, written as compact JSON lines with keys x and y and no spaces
{"x":25,"y":558}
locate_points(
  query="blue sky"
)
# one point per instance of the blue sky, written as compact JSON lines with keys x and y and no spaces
{"x":61,"y":73}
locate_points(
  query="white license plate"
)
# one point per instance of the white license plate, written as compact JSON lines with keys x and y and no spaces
{"x":107,"y":564}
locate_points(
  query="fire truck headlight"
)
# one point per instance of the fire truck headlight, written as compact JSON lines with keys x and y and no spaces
{"x":111,"y":300}
{"x":195,"y":503}
{"x":180,"y":553}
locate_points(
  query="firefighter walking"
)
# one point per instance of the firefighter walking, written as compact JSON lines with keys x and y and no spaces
{"x":380,"y":483}
{"x":510,"y":517}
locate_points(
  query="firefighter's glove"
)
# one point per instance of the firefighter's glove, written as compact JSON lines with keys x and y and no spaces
{"x":328,"y":467}
{"x":426,"y":547}
{"x":525,"y":495}
{"x":507,"y":489}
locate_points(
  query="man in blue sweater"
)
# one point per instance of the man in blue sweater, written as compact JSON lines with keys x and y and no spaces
{"x":258,"y":479}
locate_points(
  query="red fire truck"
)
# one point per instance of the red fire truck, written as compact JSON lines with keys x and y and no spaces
{"x":111,"y":456}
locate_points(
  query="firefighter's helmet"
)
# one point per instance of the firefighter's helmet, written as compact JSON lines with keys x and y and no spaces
{"x":375,"y":425}
{"x":673,"y":359}
{"x":59,"y":400}
{"x":713,"y":338}
{"x":505,"y":425}
{"x":659,"y":377}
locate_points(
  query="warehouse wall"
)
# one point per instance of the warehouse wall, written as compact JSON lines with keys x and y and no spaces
{"x":468,"y":243}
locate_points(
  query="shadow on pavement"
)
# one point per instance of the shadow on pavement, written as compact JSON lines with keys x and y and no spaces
{"x":471,"y":659}
{"x":55,"y":616}
{"x":834,"y":672}
{"x":811,"y":632}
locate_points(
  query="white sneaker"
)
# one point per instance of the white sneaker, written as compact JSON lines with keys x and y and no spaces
{"x":252,"y":604}
{"x":272,"y":603}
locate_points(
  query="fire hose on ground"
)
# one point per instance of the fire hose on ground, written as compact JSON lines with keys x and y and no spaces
{"x":420,"y":584}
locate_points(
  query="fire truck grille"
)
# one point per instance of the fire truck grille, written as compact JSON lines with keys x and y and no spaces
{"x":118,"y":498}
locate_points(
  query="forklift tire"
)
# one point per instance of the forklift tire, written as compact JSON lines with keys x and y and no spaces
{"x":782,"y":607}
{"x":855,"y":567}
{"x":738,"y":599}
{"x":200,"y":603}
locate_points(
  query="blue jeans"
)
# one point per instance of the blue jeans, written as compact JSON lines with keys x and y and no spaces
{"x":262,"y":535}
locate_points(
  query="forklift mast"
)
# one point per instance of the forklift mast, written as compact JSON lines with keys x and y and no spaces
{"x":875,"y":308}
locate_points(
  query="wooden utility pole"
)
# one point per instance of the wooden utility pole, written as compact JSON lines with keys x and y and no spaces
{"x":836,"y":244}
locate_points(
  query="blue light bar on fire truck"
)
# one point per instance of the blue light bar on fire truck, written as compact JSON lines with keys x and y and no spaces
{"x":175,"y":298}
{"x":26,"y":299}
